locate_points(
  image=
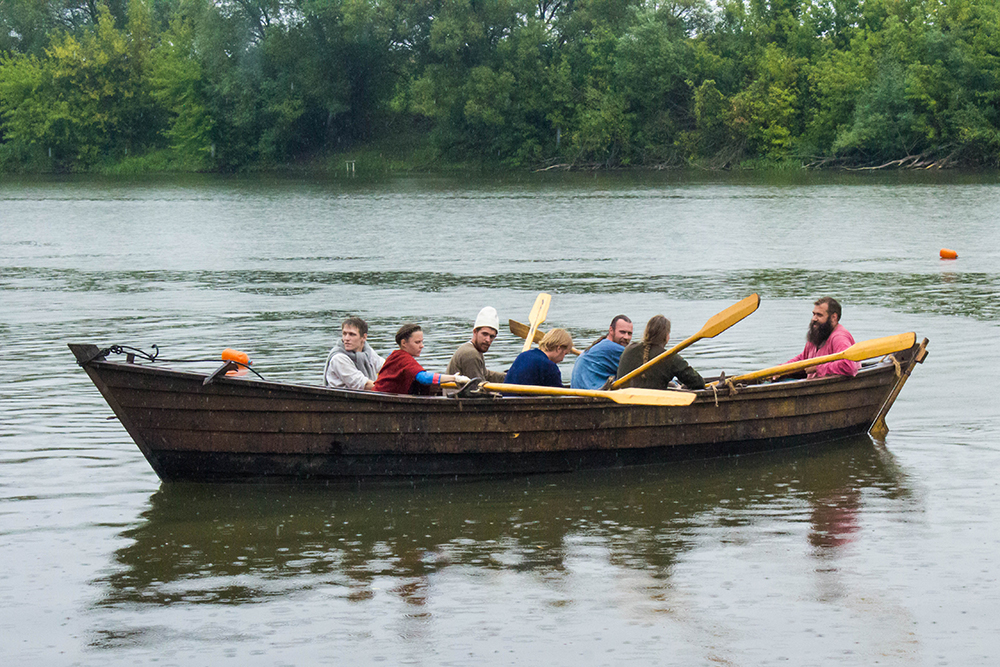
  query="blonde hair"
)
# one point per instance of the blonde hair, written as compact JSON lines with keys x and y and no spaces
{"x":657,"y":332}
{"x":554,"y":339}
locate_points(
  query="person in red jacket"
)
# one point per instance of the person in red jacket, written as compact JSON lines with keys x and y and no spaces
{"x":402,"y":374}
{"x":827,"y":335}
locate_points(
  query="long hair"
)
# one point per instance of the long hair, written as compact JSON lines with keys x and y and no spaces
{"x":656,"y":334}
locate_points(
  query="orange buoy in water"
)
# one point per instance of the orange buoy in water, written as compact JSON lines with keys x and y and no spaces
{"x":948,"y":254}
{"x":229,"y":354}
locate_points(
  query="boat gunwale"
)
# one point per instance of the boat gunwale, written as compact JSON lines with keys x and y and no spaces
{"x":803,"y":387}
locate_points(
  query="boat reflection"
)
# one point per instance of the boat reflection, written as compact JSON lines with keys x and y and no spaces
{"x":241,"y":544}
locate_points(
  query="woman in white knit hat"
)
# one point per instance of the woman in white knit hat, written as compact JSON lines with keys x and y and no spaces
{"x":468,"y":359}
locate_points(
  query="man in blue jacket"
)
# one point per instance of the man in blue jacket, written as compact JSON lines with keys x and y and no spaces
{"x":600,"y":360}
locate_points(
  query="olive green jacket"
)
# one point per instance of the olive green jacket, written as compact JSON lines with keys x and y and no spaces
{"x":660,"y":375}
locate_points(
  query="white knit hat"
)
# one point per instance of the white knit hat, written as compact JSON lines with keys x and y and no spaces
{"x":487,"y":318}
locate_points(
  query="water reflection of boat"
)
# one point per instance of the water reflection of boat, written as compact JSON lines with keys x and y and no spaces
{"x":229,"y":544}
{"x":191,"y":426}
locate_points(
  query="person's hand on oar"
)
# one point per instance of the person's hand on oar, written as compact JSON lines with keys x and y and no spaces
{"x":876,"y":347}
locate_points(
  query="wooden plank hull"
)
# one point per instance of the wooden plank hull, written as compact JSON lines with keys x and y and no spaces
{"x":240,"y":428}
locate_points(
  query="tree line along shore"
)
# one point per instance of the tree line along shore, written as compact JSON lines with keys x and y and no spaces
{"x":138,"y":86}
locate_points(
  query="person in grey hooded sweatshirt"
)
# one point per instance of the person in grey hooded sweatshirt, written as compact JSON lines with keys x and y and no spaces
{"x":352,"y":363}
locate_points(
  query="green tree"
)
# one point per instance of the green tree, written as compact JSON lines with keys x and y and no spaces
{"x":767,"y":111}
{"x":76,"y":101}
{"x":175,"y":81}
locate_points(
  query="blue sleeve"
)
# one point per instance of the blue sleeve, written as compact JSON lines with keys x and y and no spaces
{"x":597,"y":364}
{"x":428,"y":377}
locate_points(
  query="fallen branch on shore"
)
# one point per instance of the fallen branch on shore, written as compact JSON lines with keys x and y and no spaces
{"x":921,"y":161}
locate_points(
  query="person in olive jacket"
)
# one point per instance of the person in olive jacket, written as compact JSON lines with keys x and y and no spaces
{"x":654,"y":342}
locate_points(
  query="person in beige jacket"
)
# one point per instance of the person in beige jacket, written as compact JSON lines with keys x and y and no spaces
{"x":468,"y":359}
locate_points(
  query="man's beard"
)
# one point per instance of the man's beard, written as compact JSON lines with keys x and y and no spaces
{"x":819,"y":332}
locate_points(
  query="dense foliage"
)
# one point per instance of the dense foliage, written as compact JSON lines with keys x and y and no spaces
{"x":232,"y":84}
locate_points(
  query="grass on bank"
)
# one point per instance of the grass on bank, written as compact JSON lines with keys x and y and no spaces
{"x":408,"y":152}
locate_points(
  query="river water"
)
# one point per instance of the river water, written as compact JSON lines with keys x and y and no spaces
{"x":853,"y":553}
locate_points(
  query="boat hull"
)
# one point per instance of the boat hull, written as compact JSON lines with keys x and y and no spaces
{"x":247,"y":429}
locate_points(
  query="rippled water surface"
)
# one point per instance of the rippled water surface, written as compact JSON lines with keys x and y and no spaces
{"x":854,"y":553}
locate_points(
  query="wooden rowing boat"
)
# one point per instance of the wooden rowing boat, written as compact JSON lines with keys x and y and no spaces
{"x":194,"y":426}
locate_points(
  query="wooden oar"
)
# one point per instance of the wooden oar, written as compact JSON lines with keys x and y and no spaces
{"x":537,"y":316}
{"x":521,"y":331}
{"x":715,"y":325}
{"x":630,"y":396}
{"x":876,"y":347}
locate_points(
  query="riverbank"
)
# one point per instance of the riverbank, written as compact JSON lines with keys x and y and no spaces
{"x":414,"y":153}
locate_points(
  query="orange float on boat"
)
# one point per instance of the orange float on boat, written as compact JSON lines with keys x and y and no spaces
{"x":229,"y":354}
{"x":948,"y":254}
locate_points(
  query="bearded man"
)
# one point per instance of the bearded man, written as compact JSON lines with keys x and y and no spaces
{"x":468,"y":359}
{"x":827,"y":335}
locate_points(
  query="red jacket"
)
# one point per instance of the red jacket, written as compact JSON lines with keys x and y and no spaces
{"x":399,"y":374}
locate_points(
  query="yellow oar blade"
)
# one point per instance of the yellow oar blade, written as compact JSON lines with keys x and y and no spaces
{"x":541,"y":308}
{"x":876,"y":347}
{"x":634,"y":396}
{"x":730,"y":316}
{"x":715,"y":325}
{"x":536,"y":317}
{"x":521,"y":331}
{"x":629,"y":396}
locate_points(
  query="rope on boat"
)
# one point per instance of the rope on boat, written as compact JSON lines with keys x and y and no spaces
{"x":125,"y":349}
{"x":155,"y":356}
{"x":895,"y":362}
{"x":723,"y":381}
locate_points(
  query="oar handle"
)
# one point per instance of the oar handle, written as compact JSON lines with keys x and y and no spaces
{"x":654,"y":397}
{"x":785,"y":369}
{"x":534,"y":389}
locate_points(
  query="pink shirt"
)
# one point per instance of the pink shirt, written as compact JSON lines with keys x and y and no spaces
{"x":840,"y":339}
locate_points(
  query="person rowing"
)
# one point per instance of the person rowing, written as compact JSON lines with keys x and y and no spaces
{"x":468,"y":359}
{"x":402,"y":373}
{"x":826,"y":335}
{"x":654,"y":342}
{"x":600,"y":361}
{"x":537,"y":366}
